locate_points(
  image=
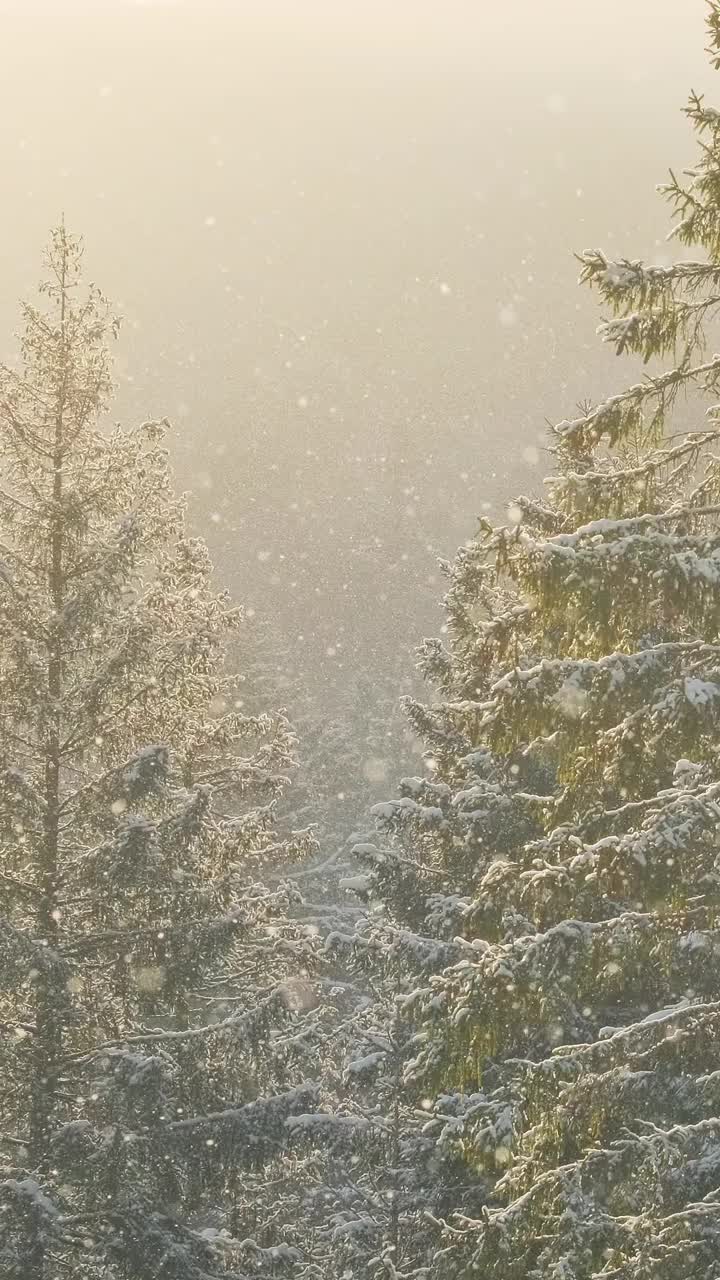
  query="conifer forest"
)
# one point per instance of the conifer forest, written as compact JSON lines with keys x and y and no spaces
{"x":359,"y":758}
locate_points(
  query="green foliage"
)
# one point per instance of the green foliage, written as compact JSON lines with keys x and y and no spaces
{"x":570,"y":821}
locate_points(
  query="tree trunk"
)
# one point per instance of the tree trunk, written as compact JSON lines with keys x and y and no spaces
{"x":50,"y":993}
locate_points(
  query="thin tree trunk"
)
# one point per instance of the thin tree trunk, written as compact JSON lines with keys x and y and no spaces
{"x":394,"y":1230}
{"x":50,"y":995}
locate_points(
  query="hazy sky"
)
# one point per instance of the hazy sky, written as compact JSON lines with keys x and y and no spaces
{"x":341,"y":235}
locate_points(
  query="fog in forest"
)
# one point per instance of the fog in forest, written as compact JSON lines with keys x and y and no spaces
{"x":369,"y":930}
{"x":340,"y":236}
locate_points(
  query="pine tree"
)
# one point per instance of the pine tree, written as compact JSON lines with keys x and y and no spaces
{"x":391,"y":1166}
{"x":575,"y":776}
{"x":411,"y":1145}
{"x":152,"y":993}
{"x":396,"y":1156}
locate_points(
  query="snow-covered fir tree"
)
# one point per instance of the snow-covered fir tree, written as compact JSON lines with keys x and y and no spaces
{"x":152,"y":991}
{"x":373,"y":1166}
{"x":390,"y":1167}
{"x":399,"y":1157}
{"x":395,"y":1158}
{"x":574,"y":753}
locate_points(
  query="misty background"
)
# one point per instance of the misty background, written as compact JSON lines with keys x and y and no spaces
{"x":340,"y":236}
